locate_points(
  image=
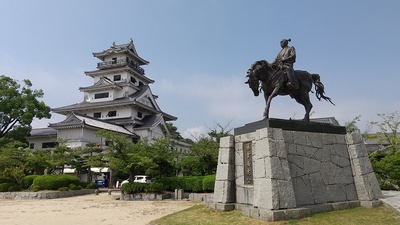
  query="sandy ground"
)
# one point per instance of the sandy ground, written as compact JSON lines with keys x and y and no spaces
{"x":86,"y":210}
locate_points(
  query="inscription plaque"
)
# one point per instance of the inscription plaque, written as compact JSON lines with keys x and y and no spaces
{"x":248,"y":163}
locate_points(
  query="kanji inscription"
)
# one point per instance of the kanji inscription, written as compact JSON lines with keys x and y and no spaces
{"x":248,"y":163}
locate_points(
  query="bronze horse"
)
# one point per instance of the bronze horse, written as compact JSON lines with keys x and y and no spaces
{"x":273,"y":82}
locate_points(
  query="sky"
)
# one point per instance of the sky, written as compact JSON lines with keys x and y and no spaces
{"x":199,"y":52}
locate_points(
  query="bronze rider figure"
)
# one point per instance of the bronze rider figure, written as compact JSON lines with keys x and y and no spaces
{"x":285,"y":59}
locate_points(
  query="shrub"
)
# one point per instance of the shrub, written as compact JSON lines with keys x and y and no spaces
{"x":132,"y":188}
{"x":193,"y":184}
{"x":171,"y":183}
{"x":75,"y":187}
{"x":92,"y":186}
{"x":5,"y":186}
{"x":63,"y":189}
{"x":27,"y":181}
{"x":209,"y":183}
{"x":14,"y":188}
{"x":189,"y":184}
{"x":54,"y":182}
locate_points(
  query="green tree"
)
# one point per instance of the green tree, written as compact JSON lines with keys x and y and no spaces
{"x":37,"y":161}
{"x":60,"y":156}
{"x":388,"y":130}
{"x":203,"y":155}
{"x":12,"y":159}
{"x":163,"y":155}
{"x":19,"y":105}
{"x":88,"y":157}
{"x":386,"y":162}
{"x":124,"y":156}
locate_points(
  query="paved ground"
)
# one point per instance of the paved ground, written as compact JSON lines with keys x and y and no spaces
{"x":392,"y":200}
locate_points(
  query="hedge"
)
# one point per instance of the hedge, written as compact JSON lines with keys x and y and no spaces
{"x":132,"y":188}
{"x":209,"y":183}
{"x":54,"y":182}
{"x":92,"y":185}
{"x":189,"y":184}
{"x":5,"y":186}
{"x":27,"y":181}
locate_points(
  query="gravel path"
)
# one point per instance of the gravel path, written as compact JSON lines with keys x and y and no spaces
{"x":86,"y":210}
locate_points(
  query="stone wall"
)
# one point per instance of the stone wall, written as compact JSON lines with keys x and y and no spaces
{"x":144,"y":197}
{"x":44,"y":194}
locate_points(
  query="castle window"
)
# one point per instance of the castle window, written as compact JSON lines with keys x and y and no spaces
{"x":133,"y":80}
{"x":31,"y":145}
{"x":101,"y":95}
{"x":97,"y":114}
{"x":114,"y":60}
{"x":112,"y":113}
{"x":117,"y":77}
{"x":139,"y":114}
{"x":49,"y":144}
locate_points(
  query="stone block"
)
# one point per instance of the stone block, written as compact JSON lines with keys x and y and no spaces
{"x":288,"y":136}
{"x":226,"y":156}
{"x":296,"y":213}
{"x":227,"y":142}
{"x":336,"y":193}
{"x":268,"y":215}
{"x":374,"y":186}
{"x":362,"y":166}
{"x":299,"y":138}
{"x":244,"y":195}
{"x":311,"y":165}
{"x":225,"y":172}
{"x":264,"y":193}
{"x":357,"y":151}
{"x":318,"y":188}
{"x":320,"y":208}
{"x":260,"y":168}
{"x":246,"y":210}
{"x":254,"y":213}
{"x":341,"y":139}
{"x":238,"y":158}
{"x":275,"y":169}
{"x":261,"y":134}
{"x":340,"y":205}
{"x":354,"y":138}
{"x":224,"y":207}
{"x":303,"y":193}
{"x":261,"y":149}
{"x":370,"y":204}
{"x":287,"y":199}
{"x":351,"y":193}
{"x":328,"y":139}
{"x":315,"y":139}
{"x":341,"y":150}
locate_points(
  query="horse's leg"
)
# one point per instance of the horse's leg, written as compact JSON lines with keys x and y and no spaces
{"x":268,"y":99}
{"x":266,"y":110}
{"x":304,"y":99}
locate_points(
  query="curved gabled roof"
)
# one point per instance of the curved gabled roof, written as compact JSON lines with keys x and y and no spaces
{"x":78,"y":120}
{"x":128,"y":48}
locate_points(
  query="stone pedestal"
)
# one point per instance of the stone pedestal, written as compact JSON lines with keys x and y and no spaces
{"x":278,"y":169}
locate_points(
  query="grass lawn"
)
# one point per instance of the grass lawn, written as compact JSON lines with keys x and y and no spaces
{"x":199,"y":215}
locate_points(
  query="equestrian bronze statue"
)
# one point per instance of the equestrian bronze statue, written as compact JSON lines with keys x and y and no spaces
{"x":274,"y":80}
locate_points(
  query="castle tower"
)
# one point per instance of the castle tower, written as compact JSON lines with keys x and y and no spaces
{"x":120,"y":96}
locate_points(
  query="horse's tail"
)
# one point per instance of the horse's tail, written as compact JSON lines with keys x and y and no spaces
{"x":319,"y":88}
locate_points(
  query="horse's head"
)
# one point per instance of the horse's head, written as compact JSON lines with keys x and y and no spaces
{"x":254,"y":74}
{"x":253,"y":82}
